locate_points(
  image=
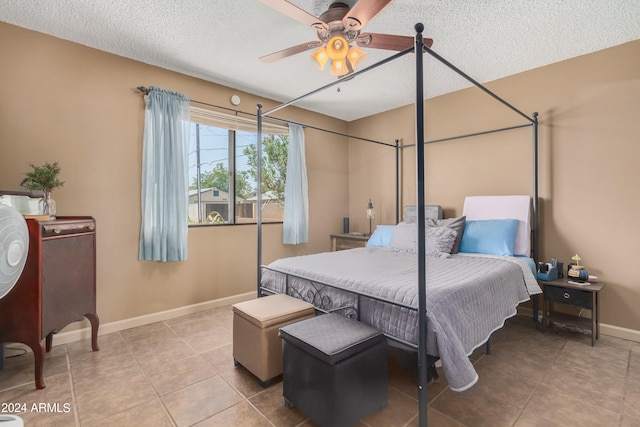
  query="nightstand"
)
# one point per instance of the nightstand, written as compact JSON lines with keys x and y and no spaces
{"x":341,"y":242}
{"x":583,"y":296}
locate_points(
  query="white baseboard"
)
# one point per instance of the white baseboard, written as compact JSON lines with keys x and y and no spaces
{"x":119,"y":325}
{"x":605,"y":329}
{"x":618,"y":332}
{"x":107,"y":328}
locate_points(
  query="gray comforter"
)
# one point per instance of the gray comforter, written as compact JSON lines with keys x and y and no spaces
{"x":468,"y":296}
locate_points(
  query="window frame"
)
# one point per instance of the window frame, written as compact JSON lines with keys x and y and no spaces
{"x":232,"y":123}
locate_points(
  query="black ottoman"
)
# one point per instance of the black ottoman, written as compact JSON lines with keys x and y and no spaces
{"x":334,"y":369}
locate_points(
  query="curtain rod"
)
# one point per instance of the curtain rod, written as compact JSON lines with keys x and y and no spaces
{"x":145,"y":91}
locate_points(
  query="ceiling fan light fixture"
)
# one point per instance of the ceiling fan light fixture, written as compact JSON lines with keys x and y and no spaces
{"x":337,"y":47}
{"x":339,"y":67}
{"x":320,"y":57}
{"x":355,"y":55}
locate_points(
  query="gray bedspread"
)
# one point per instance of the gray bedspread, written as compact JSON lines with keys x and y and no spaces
{"x":468,"y":296}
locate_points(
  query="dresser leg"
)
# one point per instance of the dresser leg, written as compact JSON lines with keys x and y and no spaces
{"x":49,"y":342}
{"x":95,"y":322}
{"x":38,"y":355}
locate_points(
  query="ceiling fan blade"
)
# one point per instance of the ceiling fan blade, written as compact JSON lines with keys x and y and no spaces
{"x":293,"y":11}
{"x":364,"y":11}
{"x":293,"y":50}
{"x":388,"y":41}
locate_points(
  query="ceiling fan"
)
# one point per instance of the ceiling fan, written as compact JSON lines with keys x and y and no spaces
{"x":339,"y":34}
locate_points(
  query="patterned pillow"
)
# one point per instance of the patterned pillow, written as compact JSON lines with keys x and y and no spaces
{"x":439,"y":240}
{"x":456,"y":224}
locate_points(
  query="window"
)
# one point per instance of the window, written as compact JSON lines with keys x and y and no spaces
{"x":223,"y":166}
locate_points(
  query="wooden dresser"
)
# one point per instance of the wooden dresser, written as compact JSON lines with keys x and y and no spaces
{"x":56,"y":288}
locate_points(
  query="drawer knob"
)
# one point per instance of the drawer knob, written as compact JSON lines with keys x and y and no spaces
{"x":566,"y":295}
{"x":57,"y":230}
{"x":91,"y":227}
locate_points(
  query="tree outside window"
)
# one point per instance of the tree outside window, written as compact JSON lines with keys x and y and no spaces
{"x":213,"y":165}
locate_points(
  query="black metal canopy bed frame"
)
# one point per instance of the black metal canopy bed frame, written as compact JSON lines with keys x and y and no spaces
{"x":421,"y":311}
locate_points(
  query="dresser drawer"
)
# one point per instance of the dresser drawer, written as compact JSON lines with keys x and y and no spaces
{"x":76,"y":226}
{"x":568,"y":296}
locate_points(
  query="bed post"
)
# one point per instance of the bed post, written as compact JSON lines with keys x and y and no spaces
{"x":536,"y":211}
{"x":397,"y":181}
{"x":259,"y":195}
{"x":535,"y":187}
{"x":422,"y":290}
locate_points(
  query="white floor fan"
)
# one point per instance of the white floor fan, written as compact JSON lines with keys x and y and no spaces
{"x":14,"y":247}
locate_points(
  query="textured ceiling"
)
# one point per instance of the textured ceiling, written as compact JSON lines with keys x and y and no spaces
{"x":221,"y":40}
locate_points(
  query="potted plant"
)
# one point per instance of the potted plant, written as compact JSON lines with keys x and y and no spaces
{"x":44,"y":178}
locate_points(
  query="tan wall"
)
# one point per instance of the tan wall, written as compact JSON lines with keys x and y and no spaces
{"x":62,"y":101}
{"x":589,"y":156}
{"x":69,"y":103}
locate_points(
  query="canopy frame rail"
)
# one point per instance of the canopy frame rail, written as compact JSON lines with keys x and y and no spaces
{"x":341,"y":80}
{"x":419,"y":46}
{"x":262,"y":114}
{"x":335,"y":132}
{"x":471,"y":135}
{"x":533,"y":119}
{"x":476,"y":83}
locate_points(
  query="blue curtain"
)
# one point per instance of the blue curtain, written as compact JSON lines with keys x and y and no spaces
{"x":165,"y":197}
{"x":296,"y":199}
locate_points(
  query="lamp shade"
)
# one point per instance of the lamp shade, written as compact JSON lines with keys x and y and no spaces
{"x":339,"y":67}
{"x":370,"y":211}
{"x":337,"y":47}
{"x":355,"y":55}
{"x":343,"y":56}
{"x":320,"y":57}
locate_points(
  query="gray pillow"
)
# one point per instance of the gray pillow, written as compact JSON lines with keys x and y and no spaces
{"x":456,"y":224}
{"x":438,"y":240}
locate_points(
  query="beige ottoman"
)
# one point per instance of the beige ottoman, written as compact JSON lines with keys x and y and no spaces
{"x":256,"y":344}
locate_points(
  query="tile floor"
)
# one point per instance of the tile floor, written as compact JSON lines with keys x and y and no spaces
{"x":180,"y":372}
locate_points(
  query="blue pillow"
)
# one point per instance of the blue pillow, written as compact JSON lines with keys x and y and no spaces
{"x":382,"y":236}
{"x":491,"y":237}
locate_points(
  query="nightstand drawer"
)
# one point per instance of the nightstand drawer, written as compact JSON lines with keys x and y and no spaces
{"x":341,"y":242}
{"x":568,"y":296}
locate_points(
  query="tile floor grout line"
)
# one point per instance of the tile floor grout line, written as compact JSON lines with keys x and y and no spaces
{"x":146,"y":377}
{"x":72,"y":387}
{"x":546,"y":373}
{"x":626,"y":386}
{"x":246,"y":398}
{"x":28,"y":351}
{"x":564,"y":346}
{"x":526,"y":403}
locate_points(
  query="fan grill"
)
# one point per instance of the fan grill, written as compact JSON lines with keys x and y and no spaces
{"x":14,"y":246}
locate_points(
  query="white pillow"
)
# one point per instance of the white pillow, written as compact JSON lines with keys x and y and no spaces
{"x":438,"y":240}
{"x":403,"y":238}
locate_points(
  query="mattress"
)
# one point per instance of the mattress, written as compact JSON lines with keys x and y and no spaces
{"x":468,"y":296}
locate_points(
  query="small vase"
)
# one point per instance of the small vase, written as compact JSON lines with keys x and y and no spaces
{"x":46,"y":205}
